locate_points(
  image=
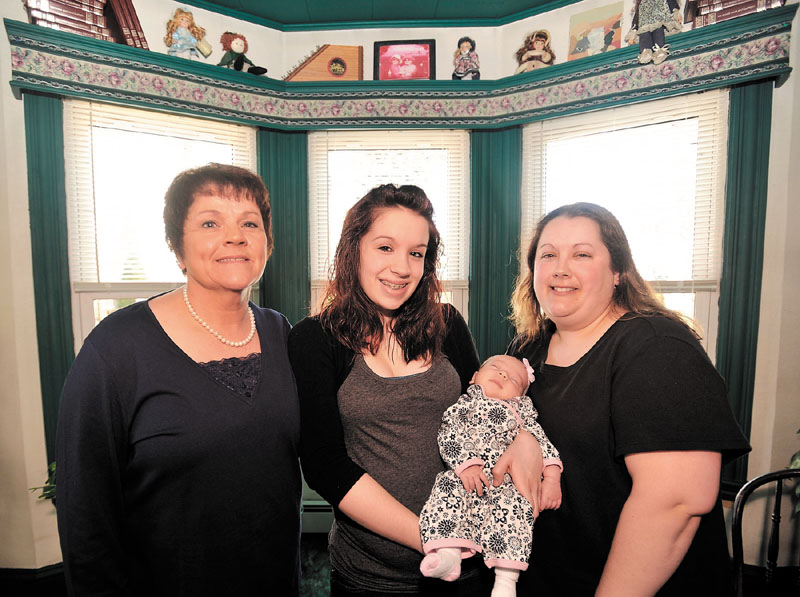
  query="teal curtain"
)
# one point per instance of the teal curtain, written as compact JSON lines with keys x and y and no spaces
{"x":496,"y":181}
{"x":283,"y":165}
{"x":743,"y":252}
{"x":44,"y":138}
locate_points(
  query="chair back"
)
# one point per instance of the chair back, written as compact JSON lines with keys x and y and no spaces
{"x":747,"y":489}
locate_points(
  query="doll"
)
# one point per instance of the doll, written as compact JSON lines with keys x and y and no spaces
{"x":465,"y":514}
{"x":235,"y":46}
{"x":184,"y":38}
{"x":466,"y":60}
{"x":652,"y":21}
{"x":535,"y":52}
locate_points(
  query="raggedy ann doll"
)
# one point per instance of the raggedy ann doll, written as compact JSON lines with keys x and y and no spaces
{"x":652,"y":21}
{"x":235,"y":46}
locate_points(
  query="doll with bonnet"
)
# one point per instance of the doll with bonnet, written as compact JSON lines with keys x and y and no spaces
{"x":466,"y":62}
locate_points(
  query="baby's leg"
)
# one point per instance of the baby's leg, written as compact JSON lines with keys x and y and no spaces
{"x":505,"y":582}
{"x":444,"y":563}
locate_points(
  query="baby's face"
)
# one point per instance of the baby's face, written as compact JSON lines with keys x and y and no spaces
{"x":502,"y":377}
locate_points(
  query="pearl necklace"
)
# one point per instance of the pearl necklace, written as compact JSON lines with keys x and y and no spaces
{"x":215,"y":333}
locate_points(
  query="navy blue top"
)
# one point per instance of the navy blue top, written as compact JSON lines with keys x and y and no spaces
{"x":169,"y":482}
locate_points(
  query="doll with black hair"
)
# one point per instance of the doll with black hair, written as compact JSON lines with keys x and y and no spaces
{"x":466,"y":60}
{"x":652,"y":21}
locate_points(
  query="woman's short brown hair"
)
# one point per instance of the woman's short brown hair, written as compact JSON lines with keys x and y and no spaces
{"x":228,"y":181}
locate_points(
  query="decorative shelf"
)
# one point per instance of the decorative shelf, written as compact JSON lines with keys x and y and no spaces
{"x":748,"y":48}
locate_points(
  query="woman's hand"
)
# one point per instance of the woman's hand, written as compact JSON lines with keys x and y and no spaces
{"x":523,"y":461}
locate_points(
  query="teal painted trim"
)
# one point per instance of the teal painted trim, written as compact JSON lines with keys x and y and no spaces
{"x":495,"y":210}
{"x":407,"y":24}
{"x":47,"y":198}
{"x":724,"y":55}
{"x":283,"y":165}
{"x":749,"y":122}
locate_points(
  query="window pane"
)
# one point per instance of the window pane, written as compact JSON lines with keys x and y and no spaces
{"x":130,"y":229}
{"x":105,"y":307}
{"x":420,"y":167}
{"x":681,"y":302}
{"x":646,"y":177}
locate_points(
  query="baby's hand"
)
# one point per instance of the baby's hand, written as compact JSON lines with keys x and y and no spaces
{"x":550,"y":493}
{"x":474,"y":478}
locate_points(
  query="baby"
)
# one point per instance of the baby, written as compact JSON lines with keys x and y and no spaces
{"x":465,"y":513}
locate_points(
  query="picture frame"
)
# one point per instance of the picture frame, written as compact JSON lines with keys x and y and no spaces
{"x":595,"y":31}
{"x":396,"y":60}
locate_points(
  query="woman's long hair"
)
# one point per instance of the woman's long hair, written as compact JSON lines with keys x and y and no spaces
{"x":633,"y":295}
{"x":350,"y":316}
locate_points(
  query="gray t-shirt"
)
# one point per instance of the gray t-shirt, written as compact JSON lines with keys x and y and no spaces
{"x":390,"y":427}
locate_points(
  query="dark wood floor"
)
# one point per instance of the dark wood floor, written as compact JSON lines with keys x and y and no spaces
{"x":50,"y":582}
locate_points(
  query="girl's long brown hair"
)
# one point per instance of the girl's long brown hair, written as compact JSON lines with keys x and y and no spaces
{"x":350,"y":316}
{"x":633,"y":295}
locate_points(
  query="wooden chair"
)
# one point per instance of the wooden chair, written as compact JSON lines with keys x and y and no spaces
{"x":747,"y":489}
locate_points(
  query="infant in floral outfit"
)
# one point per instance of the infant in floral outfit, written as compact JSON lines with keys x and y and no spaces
{"x":465,"y":513}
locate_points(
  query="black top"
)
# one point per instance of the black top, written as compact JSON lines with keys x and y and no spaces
{"x":170,"y":483}
{"x":320,"y":366}
{"x":646,"y":385}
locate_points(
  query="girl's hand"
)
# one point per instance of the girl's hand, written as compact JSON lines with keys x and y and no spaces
{"x":523,"y":461}
{"x":474,"y":479}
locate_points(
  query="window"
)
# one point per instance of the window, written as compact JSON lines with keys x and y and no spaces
{"x":660,"y":168}
{"x":343,"y":166}
{"x":119,"y":162}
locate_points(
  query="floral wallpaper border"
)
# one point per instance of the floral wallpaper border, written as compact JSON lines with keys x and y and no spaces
{"x":39,"y":64}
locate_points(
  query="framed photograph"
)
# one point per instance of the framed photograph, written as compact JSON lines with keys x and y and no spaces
{"x":595,"y":31}
{"x":406,"y":59}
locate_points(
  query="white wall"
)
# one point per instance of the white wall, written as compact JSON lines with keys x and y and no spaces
{"x":280,"y":52}
{"x":27,"y":526}
{"x":28,"y":532}
{"x":776,"y":401}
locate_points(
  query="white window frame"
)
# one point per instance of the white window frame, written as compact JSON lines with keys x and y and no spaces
{"x":711,"y":110}
{"x":455,"y":275}
{"x":79,"y":118}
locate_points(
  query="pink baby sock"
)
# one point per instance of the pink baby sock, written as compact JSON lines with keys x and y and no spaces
{"x":444,"y":563}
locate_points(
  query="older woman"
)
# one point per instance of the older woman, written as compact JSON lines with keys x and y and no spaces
{"x":179,"y":424}
{"x":638,"y":412}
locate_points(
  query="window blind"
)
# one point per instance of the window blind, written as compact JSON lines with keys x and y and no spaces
{"x":344,"y":165}
{"x":119,"y":162}
{"x":697,"y":123}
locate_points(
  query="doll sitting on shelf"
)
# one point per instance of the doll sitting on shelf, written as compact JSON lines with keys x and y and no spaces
{"x":465,"y":60}
{"x":535,"y":52}
{"x":652,"y":21}
{"x":184,"y":38}
{"x":235,"y":46}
